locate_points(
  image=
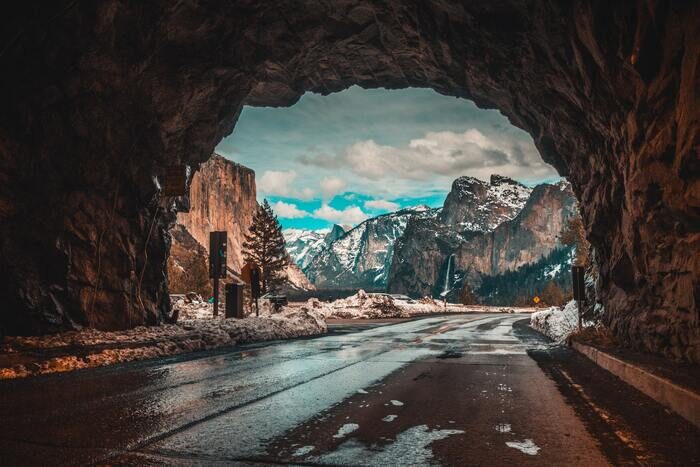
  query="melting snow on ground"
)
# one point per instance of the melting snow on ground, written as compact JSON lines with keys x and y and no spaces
{"x":92,"y":348}
{"x":396,"y":403}
{"x":302,"y":451}
{"x":364,"y":305}
{"x":346,"y":430}
{"x":412,"y":447}
{"x":389,"y":418}
{"x":557,"y":323}
{"x":528,"y":446}
{"x":503,"y":428}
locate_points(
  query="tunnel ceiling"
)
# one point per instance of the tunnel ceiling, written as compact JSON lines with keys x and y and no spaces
{"x":99,"y":97}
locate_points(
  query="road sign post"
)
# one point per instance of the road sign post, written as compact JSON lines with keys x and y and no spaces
{"x":579,"y":286}
{"x":217,"y":263}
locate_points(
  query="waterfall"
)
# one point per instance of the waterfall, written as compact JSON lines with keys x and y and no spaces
{"x":448,"y":274}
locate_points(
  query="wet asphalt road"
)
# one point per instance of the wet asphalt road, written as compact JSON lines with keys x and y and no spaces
{"x":450,"y":390}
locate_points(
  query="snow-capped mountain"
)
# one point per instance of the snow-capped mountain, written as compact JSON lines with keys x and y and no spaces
{"x":460,"y":250}
{"x":362,"y":257}
{"x":303,"y":245}
{"x":475,"y":205}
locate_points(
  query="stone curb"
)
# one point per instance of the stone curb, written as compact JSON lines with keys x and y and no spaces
{"x":684,"y":402}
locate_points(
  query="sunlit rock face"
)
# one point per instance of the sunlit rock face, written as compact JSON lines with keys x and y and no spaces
{"x":222,"y":197}
{"x":98,"y":97}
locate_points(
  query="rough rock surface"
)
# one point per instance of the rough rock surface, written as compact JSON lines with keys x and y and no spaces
{"x":222,"y":197}
{"x":473,"y":204}
{"x":423,"y":252}
{"x":98,"y":97}
{"x":362,"y":257}
{"x":188,"y":269}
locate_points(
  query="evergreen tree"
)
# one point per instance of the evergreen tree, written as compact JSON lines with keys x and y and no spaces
{"x":264,"y":246}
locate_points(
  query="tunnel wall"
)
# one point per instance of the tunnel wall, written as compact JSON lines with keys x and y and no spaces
{"x":100,"y":96}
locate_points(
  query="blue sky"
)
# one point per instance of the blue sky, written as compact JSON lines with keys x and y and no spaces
{"x":351,"y":155}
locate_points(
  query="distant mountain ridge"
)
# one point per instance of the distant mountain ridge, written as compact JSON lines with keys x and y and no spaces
{"x":483,"y":231}
{"x":360,"y":257}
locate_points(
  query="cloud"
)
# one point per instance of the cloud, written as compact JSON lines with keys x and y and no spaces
{"x":439,"y":153}
{"x":331,"y":186}
{"x":446,"y":154}
{"x":350,"y":215}
{"x":288,"y":210}
{"x":279,"y":183}
{"x":381,"y":204}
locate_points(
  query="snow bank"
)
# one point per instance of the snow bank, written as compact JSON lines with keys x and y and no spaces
{"x":555,"y":322}
{"x":376,"y":306}
{"x":91,"y":348}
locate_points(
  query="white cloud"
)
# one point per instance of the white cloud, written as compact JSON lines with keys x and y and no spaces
{"x":350,"y":215}
{"x":280,"y":183}
{"x":381,"y":204}
{"x":446,"y":154}
{"x":331,"y":186}
{"x":288,"y":210}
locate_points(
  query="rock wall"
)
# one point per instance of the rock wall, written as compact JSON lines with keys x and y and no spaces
{"x":98,"y":97}
{"x":532,"y":234}
{"x":222,"y":197}
{"x":188,"y":264}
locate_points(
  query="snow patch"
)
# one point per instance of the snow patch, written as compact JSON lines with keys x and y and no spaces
{"x":503,"y":428}
{"x":410,"y":448}
{"x":528,"y":446}
{"x":302,"y":451}
{"x":90,"y":348}
{"x":346,"y":430}
{"x":557,"y":323}
{"x":390,"y":418}
{"x":396,"y":403}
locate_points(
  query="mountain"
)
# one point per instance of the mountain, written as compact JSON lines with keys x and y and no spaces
{"x":361,"y":258}
{"x":460,"y":248}
{"x":303,"y":245}
{"x":474,"y":205}
{"x":222,"y":196}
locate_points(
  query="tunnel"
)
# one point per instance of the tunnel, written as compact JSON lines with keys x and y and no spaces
{"x":101,"y":98}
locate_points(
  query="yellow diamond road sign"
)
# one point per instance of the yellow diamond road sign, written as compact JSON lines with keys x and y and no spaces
{"x":536,"y":299}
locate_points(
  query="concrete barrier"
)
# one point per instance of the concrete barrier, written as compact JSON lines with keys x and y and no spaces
{"x":684,"y":402}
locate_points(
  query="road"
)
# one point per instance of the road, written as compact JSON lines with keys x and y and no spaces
{"x":472,"y":389}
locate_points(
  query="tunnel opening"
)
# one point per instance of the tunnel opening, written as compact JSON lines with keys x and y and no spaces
{"x":102,"y":97}
{"x":385,"y":191}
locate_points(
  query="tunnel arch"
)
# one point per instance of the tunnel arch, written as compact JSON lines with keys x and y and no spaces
{"x":102,"y":96}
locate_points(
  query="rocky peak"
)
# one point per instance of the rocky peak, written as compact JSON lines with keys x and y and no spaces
{"x":336,"y":232}
{"x":496,"y":180}
{"x":475,"y":205}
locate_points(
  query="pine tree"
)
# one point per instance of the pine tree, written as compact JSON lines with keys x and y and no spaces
{"x":264,"y":246}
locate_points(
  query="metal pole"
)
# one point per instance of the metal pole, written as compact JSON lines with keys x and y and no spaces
{"x":580,"y":318}
{"x":257,"y":311}
{"x":216,"y":296}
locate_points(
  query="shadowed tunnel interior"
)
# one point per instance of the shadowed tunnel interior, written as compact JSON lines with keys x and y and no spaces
{"x":100,"y":98}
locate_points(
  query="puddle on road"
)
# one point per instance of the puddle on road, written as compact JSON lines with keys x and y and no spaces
{"x":410,"y":448}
